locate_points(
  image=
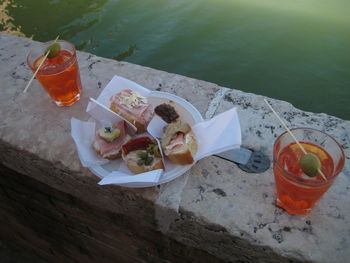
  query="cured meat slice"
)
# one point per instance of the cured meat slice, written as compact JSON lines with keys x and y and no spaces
{"x":177,"y":142}
{"x":132,"y":103}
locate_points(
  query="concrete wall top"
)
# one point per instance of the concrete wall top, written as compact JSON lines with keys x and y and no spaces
{"x":215,"y":206}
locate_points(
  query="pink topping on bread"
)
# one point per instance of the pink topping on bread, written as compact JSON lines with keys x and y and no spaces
{"x":132,"y":103}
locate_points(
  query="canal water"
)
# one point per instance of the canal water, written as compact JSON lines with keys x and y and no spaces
{"x":294,"y":50}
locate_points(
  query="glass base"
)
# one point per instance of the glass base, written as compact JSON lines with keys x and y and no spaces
{"x":296,"y":210}
{"x":68,"y":102}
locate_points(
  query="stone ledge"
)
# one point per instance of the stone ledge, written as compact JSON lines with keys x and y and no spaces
{"x":215,"y":206}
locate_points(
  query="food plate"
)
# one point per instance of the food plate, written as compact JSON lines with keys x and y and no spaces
{"x":188,"y":114}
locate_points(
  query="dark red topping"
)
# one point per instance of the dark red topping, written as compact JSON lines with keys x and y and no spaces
{"x":139,"y":143}
{"x":166,"y":112}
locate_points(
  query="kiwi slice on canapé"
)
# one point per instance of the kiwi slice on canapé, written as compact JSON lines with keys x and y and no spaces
{"x":109,"y":134}
{"x":310,"y":164}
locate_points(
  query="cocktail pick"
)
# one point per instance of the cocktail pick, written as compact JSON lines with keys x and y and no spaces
{"x":101,"y":105}
{"x":36,"y":72}
{"x":292,"y":135}
{"x":129,"y":124}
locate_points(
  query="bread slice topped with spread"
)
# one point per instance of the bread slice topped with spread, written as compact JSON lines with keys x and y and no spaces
{"x":142,"y":155}
{"x":109,"y":140}
{"x":133,"y":107}
{"x":178,"y":142}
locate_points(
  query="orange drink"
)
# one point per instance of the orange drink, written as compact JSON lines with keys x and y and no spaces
{"x":297,"y":192}
{"x":59,"y":75}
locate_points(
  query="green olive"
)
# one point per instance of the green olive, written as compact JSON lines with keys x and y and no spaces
{"x":150,"y":148}
{"x":142,"y":155}
{"x":310,"y":164}
{"x":149,"y":160}
{"x":54,"y":49}
{"x":156,"y":151}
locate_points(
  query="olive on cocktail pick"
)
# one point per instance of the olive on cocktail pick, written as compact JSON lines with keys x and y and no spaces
{"x":310,"y":164}
{"x":54,"y":49}
{"x":301,"y":147}
{"x":39,"y":65}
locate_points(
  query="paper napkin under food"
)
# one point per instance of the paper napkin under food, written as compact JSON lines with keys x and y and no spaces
{"x":220,"y":134}
{"x":121,"y":178}
{"x":83,"y":134}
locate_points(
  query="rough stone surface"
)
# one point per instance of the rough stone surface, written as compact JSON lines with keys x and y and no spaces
{"x":244,"y":203}
{"x":215,"y":206}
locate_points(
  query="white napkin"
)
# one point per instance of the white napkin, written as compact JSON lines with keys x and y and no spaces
{"x":121,"y":178}
{"x":220,"y":134}
{"x":116,"y":85}
{"x":100,"y":107}
{"x":83,"y":134}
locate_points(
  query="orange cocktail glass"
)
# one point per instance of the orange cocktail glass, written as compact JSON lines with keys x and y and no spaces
{"x":58,"y":75}
{"x":296,"y":192}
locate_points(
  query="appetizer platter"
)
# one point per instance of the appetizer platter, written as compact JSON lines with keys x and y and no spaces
{"x":124,"y":93}
{"x":190,"y":115}
{"x":141,"y":138}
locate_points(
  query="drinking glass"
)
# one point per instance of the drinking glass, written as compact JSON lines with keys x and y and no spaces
{"x":58,"y":75}
{"x":296,"y":192}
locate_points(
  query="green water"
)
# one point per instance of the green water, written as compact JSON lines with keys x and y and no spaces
{"x":295,"y":50}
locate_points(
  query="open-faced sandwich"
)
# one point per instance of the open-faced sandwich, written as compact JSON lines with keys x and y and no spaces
{"x":178,"y":141}
{"x":133,"y":107}
{"x":109,"y":140}
{"x":142,"y":155}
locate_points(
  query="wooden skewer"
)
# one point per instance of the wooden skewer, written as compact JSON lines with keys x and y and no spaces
{"x":36,"y":72}
{"x":292,"y":135}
